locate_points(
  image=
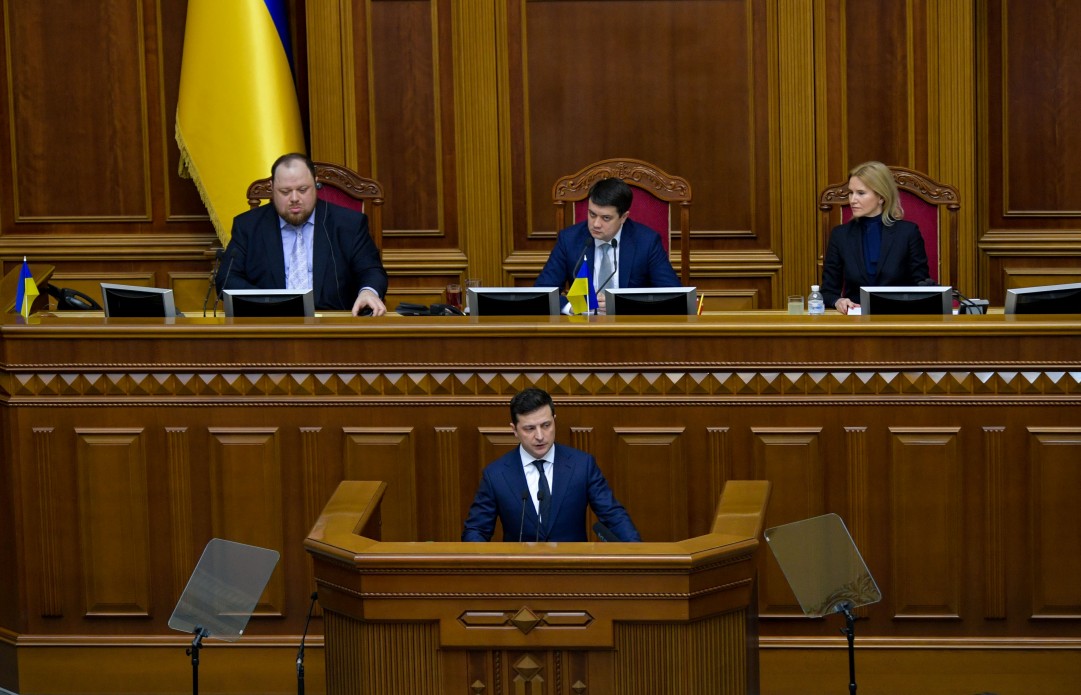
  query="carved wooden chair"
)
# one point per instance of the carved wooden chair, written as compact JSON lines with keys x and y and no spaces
{"x":655,"y":191}
{"x":930,"y":204}
{"x":340,"y":186}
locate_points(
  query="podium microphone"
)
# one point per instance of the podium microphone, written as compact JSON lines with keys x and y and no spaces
{"x":540,"y":520}
{"x":521,"y":523}
{"x":581,"y":257}
{"x":210,"y":282}
{"x":300,"y":651}
{"x":605,"y":533}
{"x":225,"y":281}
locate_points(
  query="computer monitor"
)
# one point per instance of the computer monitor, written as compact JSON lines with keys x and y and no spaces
{"x":514,"y":301}
{"x":133,"y":301}
{"x":934,"y":299}
{"x":268,"y":303}
{"x":1047,"y":299}
{"x":651,"y":301}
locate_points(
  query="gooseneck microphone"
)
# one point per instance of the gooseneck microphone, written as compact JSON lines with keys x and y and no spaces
{"x":615,"y":262}
{"x":605,"y":533}
{"x":581,"y":257}
{"x":210,"y":282}
{"x":225,"y":280}
{"x":521,"y":523}
{"x":540,"y":518}
{"x":300,"y":651}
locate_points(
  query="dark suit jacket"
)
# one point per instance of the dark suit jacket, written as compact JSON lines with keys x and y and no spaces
{"x":901,"y":261}
{"x":344,"y":257}
{"x":577,"y":482}
{"x":642,"y":260}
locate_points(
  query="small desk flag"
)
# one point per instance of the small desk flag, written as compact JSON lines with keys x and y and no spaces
{"x":26,"y":291}
{"x":581,"y":295}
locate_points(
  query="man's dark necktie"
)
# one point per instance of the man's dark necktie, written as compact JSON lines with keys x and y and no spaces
{"x":546,"y":497}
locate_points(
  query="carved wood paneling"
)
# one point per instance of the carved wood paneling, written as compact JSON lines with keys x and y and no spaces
{"x":448,"y":465}
{"x":178,"y":462}
{"x":52,"y":77}
{"x":52,"y":576}
{"x":114,"y":527}
{"x":354,"y":642}
{"x":792,"y":459}
{"x":1055,"y":510}
{"x":858,"y":518}
{"x":926,"y":507}
{"x":996,"y":514}
{"x":649,"y":476}
{"x":375,"y":453}
{"x":246,"y":497}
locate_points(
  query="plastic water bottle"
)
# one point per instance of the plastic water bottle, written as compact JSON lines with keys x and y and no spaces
{"x":816,"y":306}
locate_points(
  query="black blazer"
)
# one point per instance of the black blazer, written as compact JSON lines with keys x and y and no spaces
{"x":902,"y":260}
{"x":344,"y":257}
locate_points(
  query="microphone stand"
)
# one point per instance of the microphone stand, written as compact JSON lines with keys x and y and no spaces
{"x":849,"y":631}
{"x":193,"y":652}
{"x":300,"y":651}
{"x":521,"y":522}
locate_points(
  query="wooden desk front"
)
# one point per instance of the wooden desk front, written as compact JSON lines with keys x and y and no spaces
{"x":949,"y":445}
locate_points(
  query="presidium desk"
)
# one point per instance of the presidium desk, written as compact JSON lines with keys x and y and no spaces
{"x":951,"y":446}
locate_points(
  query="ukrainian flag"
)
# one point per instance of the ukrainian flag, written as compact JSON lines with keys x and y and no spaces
{"x":237,"y":107}
{"x":581,"y":295}
{"x":26,"y":291}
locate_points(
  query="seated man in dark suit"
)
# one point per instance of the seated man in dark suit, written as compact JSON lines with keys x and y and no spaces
{"x":301,"y":242}
{"x":618,"y":252}
{"x":560,"y":488}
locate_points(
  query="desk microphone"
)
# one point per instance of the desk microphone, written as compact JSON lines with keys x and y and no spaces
{"x":605,"y":533}
{"x":540,"y":506}
{"x":521,"y":524}
{"x":581,"y":258}
{"x":210,"y":282}
{"x":300,"y":652}
{"x":615,"y":260}
{"x":225,"y":280}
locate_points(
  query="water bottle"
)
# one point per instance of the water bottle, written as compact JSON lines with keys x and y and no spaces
{"x":816,"y":306}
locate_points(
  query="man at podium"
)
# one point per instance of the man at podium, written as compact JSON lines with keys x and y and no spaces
{"x":540,"y":490}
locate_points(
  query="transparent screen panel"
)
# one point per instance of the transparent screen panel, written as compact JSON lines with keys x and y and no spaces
{"x":822,"y":565}
{"x":224,"y":589}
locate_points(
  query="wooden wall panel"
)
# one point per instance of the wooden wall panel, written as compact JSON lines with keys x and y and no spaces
{"x":114,"y":520}
{"x":1055,"y":456}
{"x":85,"y":96}
{"x":376,"y":453}
{"x":926,"y":507}
{"x":246,"y":497}
{"x":792,"y":459}
{"x":649,"y":476}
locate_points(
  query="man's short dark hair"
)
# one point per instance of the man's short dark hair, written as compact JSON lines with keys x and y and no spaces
{"x":614,"y":192}
{"x":525,"y":402}
{"x":292,"y":157}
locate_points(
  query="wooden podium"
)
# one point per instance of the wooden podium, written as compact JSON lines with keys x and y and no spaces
{"x":538,"y":619}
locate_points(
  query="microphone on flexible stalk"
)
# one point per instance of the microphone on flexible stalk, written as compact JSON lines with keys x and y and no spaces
{"x":225,"y":280}
{"x":581,"y":257}
{"x":615,"y":261}
{"x":210,"y":282}
{"x":300,"y":651}
{"x":540,"y":518}
{"x":521,"y":523}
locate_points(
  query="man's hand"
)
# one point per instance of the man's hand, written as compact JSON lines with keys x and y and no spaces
{"x":370,"y":300}
{"x":600,"y":304}
{"x":844,"y":304}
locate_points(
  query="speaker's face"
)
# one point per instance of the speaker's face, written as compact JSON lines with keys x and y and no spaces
{"x":536,"y":431}
{"x":862,"y":201}
{"x":294,"y":192}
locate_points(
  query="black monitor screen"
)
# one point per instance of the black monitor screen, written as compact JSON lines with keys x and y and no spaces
{"x":268,"y":303}
{"x":897,"y":301}
{"x":1048,"y":299}
{"x":131,"y":301}
{"x":514,"y":301}
{"x":666,"y":301}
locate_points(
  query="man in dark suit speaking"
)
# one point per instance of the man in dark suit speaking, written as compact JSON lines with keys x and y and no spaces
{"x":618,"y":251}
{"x":301,"y":242}
{"x":540,"y":490}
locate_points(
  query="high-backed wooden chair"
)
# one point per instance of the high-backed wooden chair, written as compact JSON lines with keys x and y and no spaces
{"x":340,"y":186}
{"x":655,"y":191}
{"x":930,"y":204}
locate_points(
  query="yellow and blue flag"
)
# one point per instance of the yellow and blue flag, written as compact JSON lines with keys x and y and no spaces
{"x":26,"y":292}
{"x":581,"y":295}
{"x":237,"y":108}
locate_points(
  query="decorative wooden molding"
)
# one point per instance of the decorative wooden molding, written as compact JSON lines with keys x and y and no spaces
{"x":53,"y":579}
{"x":177,"y":443}
{"x":449,"y":471}
{"x":994,"y":518}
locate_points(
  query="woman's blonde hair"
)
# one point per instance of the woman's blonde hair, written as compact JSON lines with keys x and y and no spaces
{"x":878,"y":177}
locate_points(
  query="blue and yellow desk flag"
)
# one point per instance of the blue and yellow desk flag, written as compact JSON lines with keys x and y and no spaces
{"x":26,"y":291}
{"x":237,"y":107}
{"x":581,"y":295}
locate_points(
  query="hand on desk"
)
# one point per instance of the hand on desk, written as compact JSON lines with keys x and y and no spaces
{"x":844,"y":304}
{"x":369,"y":300}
